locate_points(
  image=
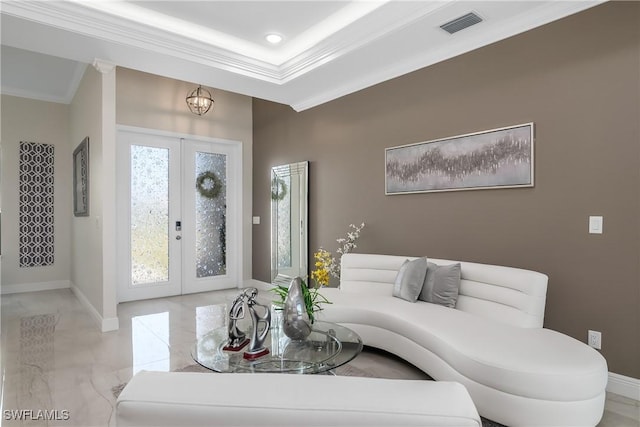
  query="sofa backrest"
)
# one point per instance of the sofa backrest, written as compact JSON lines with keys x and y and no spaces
{"x":510,"y":295}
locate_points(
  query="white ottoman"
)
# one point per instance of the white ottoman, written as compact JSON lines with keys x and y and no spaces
{"x":201,"y":399}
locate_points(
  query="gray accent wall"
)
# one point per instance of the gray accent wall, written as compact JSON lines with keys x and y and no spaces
{"x":578,"y":80}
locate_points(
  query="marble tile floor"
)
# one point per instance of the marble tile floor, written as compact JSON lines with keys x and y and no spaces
{"x":53,"y":356}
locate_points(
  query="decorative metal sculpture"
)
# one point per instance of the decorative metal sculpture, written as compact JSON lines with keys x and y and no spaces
{"x":237,"y":338}
{"x":257,"y":348}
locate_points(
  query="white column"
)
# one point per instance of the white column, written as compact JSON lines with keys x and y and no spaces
{"x":109,"y":297}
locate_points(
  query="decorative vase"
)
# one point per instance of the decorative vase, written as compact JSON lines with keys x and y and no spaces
{"x":295,"y":323}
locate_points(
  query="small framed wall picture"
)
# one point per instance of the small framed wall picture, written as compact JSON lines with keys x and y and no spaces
{"x":81,"y":179}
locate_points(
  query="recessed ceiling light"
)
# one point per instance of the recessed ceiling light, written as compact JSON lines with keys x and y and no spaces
{"x":273,"y":38}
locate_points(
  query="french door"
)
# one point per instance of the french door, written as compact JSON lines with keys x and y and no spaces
{"x":177,"y":215}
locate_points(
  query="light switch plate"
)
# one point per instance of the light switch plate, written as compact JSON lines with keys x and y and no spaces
{"x":595,"y":224}
{"x":256,"y":220}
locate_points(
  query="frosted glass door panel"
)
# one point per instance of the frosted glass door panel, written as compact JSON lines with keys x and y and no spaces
{"x":179,"y":210}
{"x":210,"y":215}
{"x":211,"y":211}
{"x":149,"y":214}
{"x":148,"y":188}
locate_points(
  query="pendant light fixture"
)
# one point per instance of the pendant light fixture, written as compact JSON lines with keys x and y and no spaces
{"x":199,"y":101}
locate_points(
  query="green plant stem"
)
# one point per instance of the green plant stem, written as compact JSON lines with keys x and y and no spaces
{"x":312,"y":299}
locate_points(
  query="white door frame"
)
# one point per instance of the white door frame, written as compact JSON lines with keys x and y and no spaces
{"x":235,"y":173}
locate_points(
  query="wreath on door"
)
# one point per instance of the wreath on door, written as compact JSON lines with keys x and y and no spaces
{"x":208,"y":185}
{"x":278,"y":189}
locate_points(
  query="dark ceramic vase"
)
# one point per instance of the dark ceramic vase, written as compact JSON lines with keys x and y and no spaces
{"x":296,"y":323}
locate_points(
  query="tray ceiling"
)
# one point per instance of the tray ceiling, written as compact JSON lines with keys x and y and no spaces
{"x":329,"y":48}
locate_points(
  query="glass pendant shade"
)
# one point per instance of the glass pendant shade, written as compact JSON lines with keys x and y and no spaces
{"x":199,"y":101}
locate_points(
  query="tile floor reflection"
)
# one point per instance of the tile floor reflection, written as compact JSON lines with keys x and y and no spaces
{"x":55,"y":358}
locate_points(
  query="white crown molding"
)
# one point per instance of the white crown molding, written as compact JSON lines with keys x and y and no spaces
{"x":38,"y":96}
{"x":359,"y":35}
{"x":458,"y":45}
{"x":350,"y":13}
{"x":97,"y":23}
{"x":67,"y":98}
{"x":74,"y":84}
{"x":104,"y":67}
{"x":121,"y":12}
{"x":78,"y":19}
{"x":303,"y":81}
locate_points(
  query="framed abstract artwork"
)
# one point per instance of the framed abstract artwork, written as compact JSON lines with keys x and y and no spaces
{"x":497,"y":158}
{"x":81,"y":179}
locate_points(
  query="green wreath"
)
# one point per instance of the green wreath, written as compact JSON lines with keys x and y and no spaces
{"x":278,"y":189}
{"x":213,"y":185}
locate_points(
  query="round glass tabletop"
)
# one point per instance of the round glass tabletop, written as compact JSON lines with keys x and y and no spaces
{"x":328,"y":346}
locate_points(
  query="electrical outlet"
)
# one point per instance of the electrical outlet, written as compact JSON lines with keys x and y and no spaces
{"x":595,"y":224}
{"x":595,"y":339}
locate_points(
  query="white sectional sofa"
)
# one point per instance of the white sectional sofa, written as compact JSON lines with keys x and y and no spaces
{"x":158,"y":399}
{"x":492,"y":342}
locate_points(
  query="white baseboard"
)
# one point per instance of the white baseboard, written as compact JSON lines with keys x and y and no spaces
{"x":85,"y":302}
{"x":105,"y":325}
{"x":624,"y":386}
{"x":34,"y":287}
{"x":618,"y":384}
{"x":110,"y":324}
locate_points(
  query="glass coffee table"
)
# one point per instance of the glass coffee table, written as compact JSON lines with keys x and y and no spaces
{"x":329,"y":346}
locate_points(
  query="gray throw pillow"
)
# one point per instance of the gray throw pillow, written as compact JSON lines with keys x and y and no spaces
{"x":410,"y":279}
{"x":441,"y":284}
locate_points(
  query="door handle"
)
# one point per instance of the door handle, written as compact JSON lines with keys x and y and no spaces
{"x":178,"y":237}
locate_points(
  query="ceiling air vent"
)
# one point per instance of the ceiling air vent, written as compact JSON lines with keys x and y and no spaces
{"x":461,"y":23}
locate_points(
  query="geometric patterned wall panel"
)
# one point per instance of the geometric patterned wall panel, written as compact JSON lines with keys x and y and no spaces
{"x":35,"y":213}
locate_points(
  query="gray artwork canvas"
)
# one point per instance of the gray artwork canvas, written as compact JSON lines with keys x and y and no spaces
{"x":498,"y":158}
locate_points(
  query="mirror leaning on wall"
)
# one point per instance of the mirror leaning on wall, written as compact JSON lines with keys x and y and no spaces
{"x":289,"y":229}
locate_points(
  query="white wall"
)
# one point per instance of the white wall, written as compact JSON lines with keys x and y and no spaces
{"x":86,"y":233}
{"x":154,"y":102}
{"x":85,"y":245}
{"x":43,"y":122}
